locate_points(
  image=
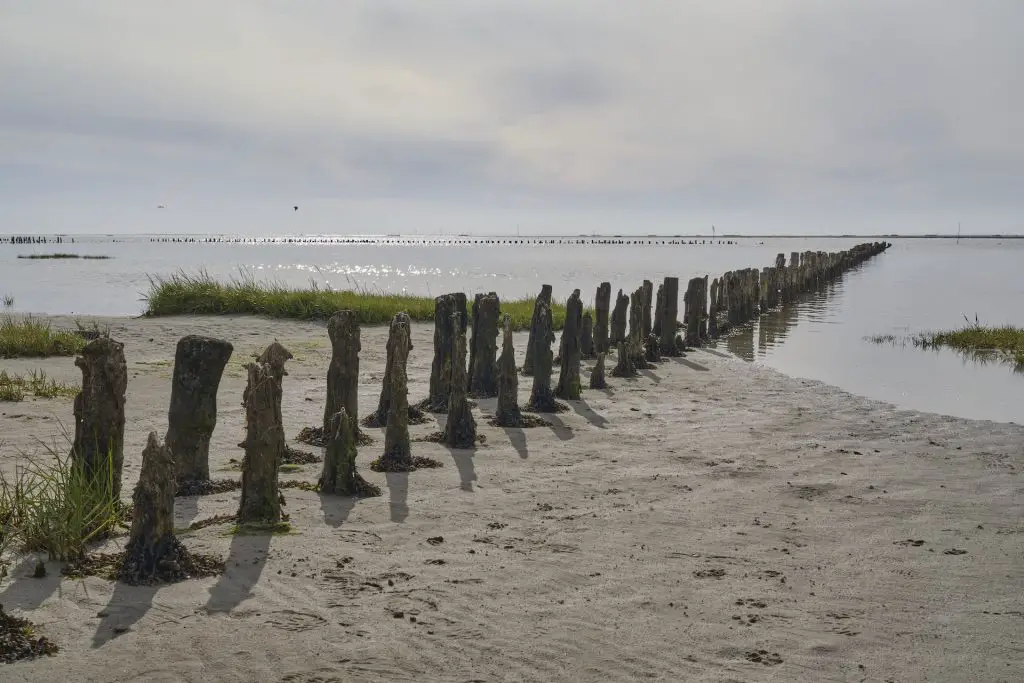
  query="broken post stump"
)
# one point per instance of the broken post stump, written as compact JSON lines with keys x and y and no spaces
{"x":198,"y":367}
{"x":602,"y":303}
{"x":587,"y":350}
{"x":569,"y":377}
{"x":339,"y":475}
{"x":379,"y":417}
{"x":652,"y":348}
{"x":597,"y":380}
{"x":153,"y":553}
{"x":264,"y":445}
{"x":460,"y":428}
{"x":507,"y":413}
{"x":99,"y":414}
{"x":624,"y":365}
{"x":445,"y":328}
{"x":483,"y":377}
{"x":543,"y":298}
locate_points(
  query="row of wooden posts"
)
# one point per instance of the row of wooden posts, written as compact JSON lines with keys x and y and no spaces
{"x":709,"y":311}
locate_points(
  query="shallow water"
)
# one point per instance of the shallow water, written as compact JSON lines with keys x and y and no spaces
{"x":917,"y":285}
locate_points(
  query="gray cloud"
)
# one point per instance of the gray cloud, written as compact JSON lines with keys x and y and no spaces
{"x":868,"y":111}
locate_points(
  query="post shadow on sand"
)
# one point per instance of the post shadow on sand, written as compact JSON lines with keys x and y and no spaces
{"x":336,"y":509}
{"x":589,"y":414}
{"x":561,"y":430}
{"x":649,"y":374}
{"x":126,"y":607}
{"x":186,"y":509}
{"x":246,"y":559}
{"x":398,"y":492}
{"x":517,"y":436}
{"x":28,"y":593}
{"x":690,"y":364}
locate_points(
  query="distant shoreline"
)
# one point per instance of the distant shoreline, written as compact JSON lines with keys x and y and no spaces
{"x":723,"y":236}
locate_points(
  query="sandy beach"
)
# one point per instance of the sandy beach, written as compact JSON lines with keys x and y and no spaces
{"x":711,"y":520}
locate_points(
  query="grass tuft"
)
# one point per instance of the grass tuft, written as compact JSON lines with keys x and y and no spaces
{"x":17,"y":387}
{"x":57,"y":508}
{"x":183,"y":294}
{"x":974,"y":340}
{"x":29,"y":337}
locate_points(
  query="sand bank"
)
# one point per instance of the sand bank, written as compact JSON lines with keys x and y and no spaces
{"x":710,"y":520}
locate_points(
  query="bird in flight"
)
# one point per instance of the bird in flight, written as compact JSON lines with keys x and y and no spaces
{"x":162,"y":206}
{"x":296,"y":208}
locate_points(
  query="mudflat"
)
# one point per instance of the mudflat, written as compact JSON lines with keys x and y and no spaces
{"x":709,"y":520}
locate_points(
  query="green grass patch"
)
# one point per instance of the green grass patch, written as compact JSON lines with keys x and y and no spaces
{"x":1006,"y":341}
{"x":45,"y":257}
{"x":184,"y":294}
{"x":57,"y":508}
{"x":17,"y":387}
{"x":29,"y":337}
{"x":976,"y":341}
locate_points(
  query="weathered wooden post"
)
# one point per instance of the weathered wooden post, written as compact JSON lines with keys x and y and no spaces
{"x":587,"y":349}
{"x":618,"y":323}
{"x":192,"y":416}
{"x":670,"y":317}
{"x":460,"y":428}
{"x":569,"y":377}
{"x":397,"y":452}
{"x":99,"y":414}
{"x":379,"y":417}
{"x":152,"y":549}
{"x":343,"y":371}
{"x":543,"y":299}
{"x":483,"y":378}
{"x":444,"y":347}
{"x":507,"y":414}
{"x":597,"y":380}
{"x":264,"y":446}
{"x":541,"y":398}
{"x":647,"y":292}
{"x":602,"y":303}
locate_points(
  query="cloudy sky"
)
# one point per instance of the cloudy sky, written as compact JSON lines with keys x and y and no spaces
{"x":559,"y":116}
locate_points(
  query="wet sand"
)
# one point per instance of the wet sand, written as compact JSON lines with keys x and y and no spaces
{"x":710,"y":520}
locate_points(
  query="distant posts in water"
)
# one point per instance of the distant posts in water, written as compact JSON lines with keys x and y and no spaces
{"x":602,"y":304}
{"x":570,"y":349}
{"x":483,"y":378}
{"x":199,"y":364}
{"x":445,"y":326}
{"x":99,"y":414}
{"x":543,"y":299}
{"x":669,"y":318}
{"x":460,"y":428}
{"x":264,"y":446}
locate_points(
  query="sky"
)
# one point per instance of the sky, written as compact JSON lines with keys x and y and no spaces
{"x":567,"y":117}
